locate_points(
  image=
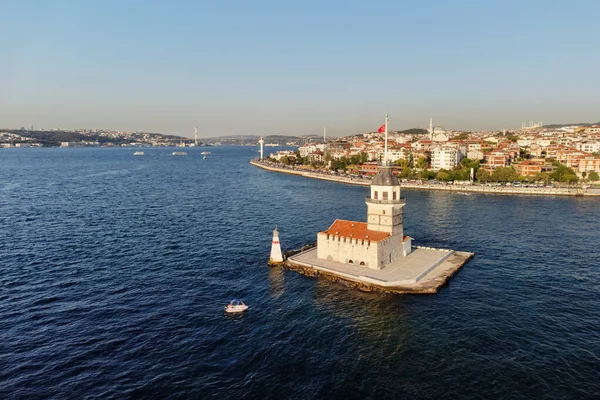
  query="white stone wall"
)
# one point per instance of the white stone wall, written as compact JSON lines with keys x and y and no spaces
{"x":335,"y":248}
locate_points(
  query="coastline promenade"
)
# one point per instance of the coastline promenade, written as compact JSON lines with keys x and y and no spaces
{"x":465,"y":189}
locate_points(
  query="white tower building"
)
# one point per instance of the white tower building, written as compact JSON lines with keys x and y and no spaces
{"x":384,"y":210}
{"x":261,"y":142}
{"x":431,"y":129}
{"x":276,"y":256}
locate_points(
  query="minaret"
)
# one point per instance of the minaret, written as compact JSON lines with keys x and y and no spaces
{"x":196,"y":136}
{"x":276,"y":256}
{"x":325,"y":135}
{"x":261,"y":142}
{"x":431,"y":129}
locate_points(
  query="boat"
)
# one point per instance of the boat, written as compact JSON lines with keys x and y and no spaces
{"x":236,"y":306}
{"x":138,"y":153}
{"x":205,"y":153}
{"x":179,"y":153}
{"x":204,"y":157}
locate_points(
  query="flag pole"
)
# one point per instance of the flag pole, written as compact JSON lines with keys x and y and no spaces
{"x":386,"y":134}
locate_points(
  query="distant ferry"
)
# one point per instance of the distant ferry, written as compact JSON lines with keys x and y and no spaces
{"x":179,"y":153}
{"x":272,"y":144}
{"x":205,"y":153}
{"x":138,"y":153}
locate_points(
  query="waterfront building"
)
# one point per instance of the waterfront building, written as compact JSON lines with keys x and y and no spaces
{"x":376,"y":243}
{"x":445,"y":157}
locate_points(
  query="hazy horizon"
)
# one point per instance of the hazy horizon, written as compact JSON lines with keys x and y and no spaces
{"x":235,"y":68}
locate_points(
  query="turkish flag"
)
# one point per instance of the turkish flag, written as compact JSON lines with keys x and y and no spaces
{"x":381,"y":128}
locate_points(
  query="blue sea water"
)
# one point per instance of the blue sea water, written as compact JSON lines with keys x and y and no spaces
{"x":114,"y":271}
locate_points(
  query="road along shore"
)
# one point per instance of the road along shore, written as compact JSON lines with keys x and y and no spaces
{"x":467,"y":189}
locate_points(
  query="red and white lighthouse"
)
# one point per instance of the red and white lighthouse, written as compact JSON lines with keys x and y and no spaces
{"x":276,"y":256}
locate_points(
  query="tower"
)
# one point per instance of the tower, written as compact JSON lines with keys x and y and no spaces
{"x":276,"y":256}
{"x":431,"y":129}
{"x":196,"y":136}
{"x":262,"y":142}
{"x":325,"y":135}
{"x":384,"y":209}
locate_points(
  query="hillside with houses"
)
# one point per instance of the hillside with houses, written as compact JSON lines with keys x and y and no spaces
{"x":539,"y":154}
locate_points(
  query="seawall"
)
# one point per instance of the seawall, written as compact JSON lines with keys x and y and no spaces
{"x":449,"y":188}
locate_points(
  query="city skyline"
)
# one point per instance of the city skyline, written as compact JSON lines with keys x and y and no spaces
{"x":272,"y":68}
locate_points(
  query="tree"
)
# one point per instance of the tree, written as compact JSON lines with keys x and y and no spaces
{"x":422,"y":162}
{"x":427,"y":175}
{"x":594,"y":176}
{"x":462,"y":136}
{"x":469,"y":163}
{"x":504,"y":174}
{"x":562,"y":173}
{"x":444,"y":175}
{"x":364,"y":157}
{"x":483,"y":175}
{"x":542,"y":176}
{"x":402,"y":163}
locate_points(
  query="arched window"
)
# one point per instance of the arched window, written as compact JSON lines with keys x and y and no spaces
{"x":350,"y":262}
{"x":362,"y":263}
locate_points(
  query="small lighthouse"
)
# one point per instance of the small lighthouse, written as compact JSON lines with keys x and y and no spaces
{"x":276,"y":256}
{"x":262,"y":142}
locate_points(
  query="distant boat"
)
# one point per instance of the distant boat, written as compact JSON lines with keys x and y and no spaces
{"x":138,"y":153}
{"x":204,"y":157}
{"x":179,"y":153}
{"x":205,"y":153}
{"x":236,"y":306}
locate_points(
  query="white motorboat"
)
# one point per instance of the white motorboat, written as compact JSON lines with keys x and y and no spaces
{"x":179,"y":153}
{"x":205,"y":152}
{"x":236,"y":306}
{"x":138,"y":153}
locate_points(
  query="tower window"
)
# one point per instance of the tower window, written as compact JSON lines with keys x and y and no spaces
{"x":375,"y":195}
{"x":394,"y":197}
{"x":385,"y":195}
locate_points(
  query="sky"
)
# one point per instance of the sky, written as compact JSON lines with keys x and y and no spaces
{"x":294,"y":67}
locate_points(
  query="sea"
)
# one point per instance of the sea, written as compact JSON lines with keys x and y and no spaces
{"x":115,"y":270}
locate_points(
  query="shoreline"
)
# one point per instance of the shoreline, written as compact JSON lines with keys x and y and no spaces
{"x":502,"y":190}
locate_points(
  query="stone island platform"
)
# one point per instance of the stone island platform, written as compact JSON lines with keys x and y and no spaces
{"x":423,"y":271}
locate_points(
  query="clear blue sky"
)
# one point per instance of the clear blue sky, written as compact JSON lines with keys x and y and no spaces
{"x":293,"y":67}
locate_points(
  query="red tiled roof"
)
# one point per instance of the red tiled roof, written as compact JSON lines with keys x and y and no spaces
{"x":355,"y":230}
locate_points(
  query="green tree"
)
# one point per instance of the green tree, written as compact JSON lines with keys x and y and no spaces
{"x":462,"y":136}
{"x":422,"y":162}
{"x":444,"y":175}
{"x":483,"y":175}
{"x":562,"y":173}
{"x":594,"y":176}
{"x":470,"y":163}
{"x":504,"y":174}
{"x":542,"y":176}
{"x":364,"y":157}
{"x":426,"y":175}
{"x":402,"y":163}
